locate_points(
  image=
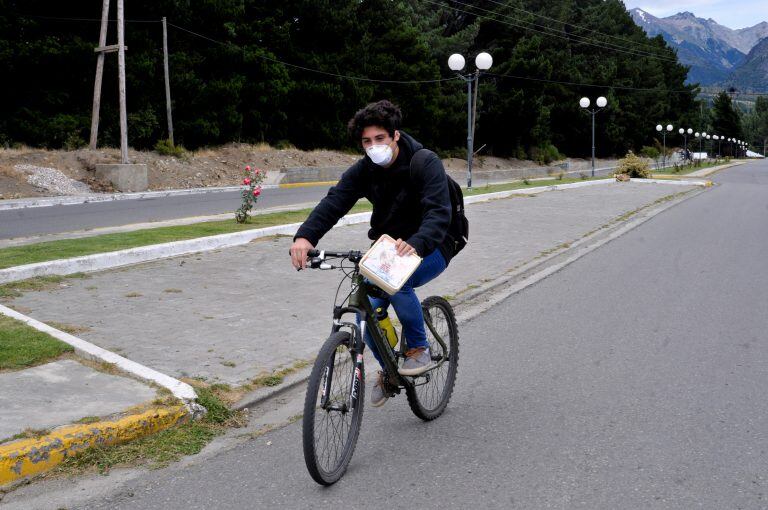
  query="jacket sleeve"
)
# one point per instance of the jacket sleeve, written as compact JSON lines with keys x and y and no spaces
{"x":435,"y":205}
{"x":333,"y":206}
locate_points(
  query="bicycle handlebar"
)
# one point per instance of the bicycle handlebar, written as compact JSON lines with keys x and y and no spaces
{"x":352,"y":255}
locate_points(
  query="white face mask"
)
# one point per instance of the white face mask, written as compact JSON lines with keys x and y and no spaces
{"x":380,"y":154}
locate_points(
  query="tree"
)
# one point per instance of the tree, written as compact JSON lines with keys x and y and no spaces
{"x":755,"y":124}
{"x":725,"y":119}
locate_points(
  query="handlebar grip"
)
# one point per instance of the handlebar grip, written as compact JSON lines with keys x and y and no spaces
{"x":313,"y":253}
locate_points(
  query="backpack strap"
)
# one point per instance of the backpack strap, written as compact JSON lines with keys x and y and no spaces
{"x":419,"y":158}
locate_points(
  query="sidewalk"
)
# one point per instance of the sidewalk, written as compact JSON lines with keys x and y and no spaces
{"x":231,"y":315}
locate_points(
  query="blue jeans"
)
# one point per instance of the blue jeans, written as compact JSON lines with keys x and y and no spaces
{"x":407,"y":305}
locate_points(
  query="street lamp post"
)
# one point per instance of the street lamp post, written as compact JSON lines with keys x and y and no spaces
{"x":660,"y":129}
{"x":601,"y":102}
{"x":685,"y":136}
{"x":711,"y":148}
{"x":483,"y":62}
{"x":698,"y":137}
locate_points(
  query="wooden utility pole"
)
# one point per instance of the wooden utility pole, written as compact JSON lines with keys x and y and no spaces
{"x":121,"y":78}
{"x":99,"y":74}
{"x":167,"y":83}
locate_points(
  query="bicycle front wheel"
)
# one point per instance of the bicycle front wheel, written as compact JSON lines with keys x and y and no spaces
{"x":432,"y":390}
{"x":333,"y":410}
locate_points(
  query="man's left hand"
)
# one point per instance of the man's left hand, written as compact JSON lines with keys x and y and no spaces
{"x":403,"y":248}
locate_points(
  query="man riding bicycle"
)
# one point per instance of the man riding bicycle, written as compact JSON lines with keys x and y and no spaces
{"x":411,"y":203}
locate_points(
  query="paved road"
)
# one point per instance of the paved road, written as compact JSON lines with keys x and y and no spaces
{"x":68,"y":218}
{"x":634,"y":378}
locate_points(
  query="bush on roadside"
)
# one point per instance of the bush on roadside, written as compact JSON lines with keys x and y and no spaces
{"x":650,"y":152}
{"x":545,"y":154}
{"x":284,"y":145}
{"x":74,"y":141}
{"x":166,"y":148}
{"x":633,"y":166}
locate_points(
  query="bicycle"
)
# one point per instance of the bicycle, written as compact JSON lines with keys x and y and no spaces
{"x":333,"y":407}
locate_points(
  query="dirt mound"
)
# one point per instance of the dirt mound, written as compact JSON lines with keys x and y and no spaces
{"x":222,"y":166}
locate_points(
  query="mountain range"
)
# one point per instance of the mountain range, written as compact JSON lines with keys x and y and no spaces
{"x":717,"y":55}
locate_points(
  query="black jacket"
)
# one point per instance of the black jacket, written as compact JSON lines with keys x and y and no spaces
{"x":413,"y":206}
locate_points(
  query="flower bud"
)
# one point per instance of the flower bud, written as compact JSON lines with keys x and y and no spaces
{"x":246,"y":181}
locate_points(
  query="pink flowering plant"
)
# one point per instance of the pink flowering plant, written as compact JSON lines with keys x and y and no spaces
{"x":251,"y":192}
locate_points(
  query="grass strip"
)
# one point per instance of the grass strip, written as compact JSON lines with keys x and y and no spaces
{"x":159,"y":450}
{"x":68,"y":248}
{"x":22,"y":346}
{"x":690,"y":168}
{"x":525,"y":183}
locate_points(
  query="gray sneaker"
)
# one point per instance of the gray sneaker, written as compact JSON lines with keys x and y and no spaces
{"x":378,"y":397}
{"x":417,"y":361}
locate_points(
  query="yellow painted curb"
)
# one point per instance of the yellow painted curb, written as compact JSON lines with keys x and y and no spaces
{"x":27,"y":457}
{"x":307,"y":184}
{"x":667,"y":176}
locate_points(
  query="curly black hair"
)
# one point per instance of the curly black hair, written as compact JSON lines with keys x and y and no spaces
{"x":382,"y":113}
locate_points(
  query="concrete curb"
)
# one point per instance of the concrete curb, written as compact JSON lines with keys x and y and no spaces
{"x":131,"y":256}
{"x":24,"y":203}
{"x":180,"y":390}
{"x":260,"y":395}
{"x":674,"y":182}
{"x":27,"y":457}
{"x":101,"y":261}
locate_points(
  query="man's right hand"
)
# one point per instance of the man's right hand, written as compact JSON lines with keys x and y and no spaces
{"x":299,"y":251}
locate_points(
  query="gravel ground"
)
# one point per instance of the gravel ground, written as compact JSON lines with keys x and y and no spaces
{"x":52,"y":180}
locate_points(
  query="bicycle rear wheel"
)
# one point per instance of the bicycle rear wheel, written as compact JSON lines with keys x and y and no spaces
{"x":431,"y":392}
{"x":331,"y":424}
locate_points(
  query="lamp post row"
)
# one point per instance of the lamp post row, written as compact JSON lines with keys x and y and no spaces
{"x":484,"y":61}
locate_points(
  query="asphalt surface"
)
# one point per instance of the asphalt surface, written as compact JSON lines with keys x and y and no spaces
{"x":633,"y":378}
{"x":67,"y":218}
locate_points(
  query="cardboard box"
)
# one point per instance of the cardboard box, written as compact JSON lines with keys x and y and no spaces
{"x":384,"y":267}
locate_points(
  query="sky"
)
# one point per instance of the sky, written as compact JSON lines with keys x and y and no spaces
{"x":733,"y":14}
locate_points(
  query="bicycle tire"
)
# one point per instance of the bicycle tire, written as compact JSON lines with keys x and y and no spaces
{"x":327,"y":463}
{"x":428,"y":400}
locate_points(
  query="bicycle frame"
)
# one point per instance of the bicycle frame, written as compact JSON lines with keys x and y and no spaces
{"x":360,"y":305}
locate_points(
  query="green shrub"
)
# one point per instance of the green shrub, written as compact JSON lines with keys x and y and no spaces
{"x":545,"y":154}
{"x":74,"y":141}
{"x":166,"y":148}
{"x":284,"y":144}
{"x":633,"y":166}
{"x":650,"y":152}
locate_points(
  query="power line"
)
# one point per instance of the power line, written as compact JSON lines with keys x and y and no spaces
{"x":565,"y":23}
{"x":572,"y":38}
{"x":57,"y":18}
{"x":553,"y":32}
{"x":560,"y":82}
{"x":336,"y":75}
{"x":372,"y":80}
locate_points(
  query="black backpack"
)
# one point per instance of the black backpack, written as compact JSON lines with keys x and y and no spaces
{"x":459,"y":227}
